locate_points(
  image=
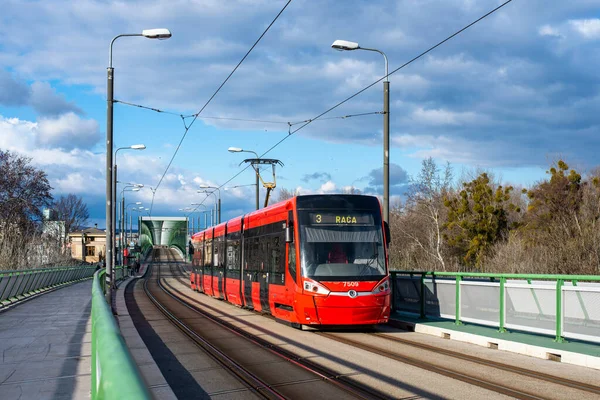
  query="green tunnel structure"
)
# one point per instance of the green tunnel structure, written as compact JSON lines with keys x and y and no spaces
{"x":163,"y":231}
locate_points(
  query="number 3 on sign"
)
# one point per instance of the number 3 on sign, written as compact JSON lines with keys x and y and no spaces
{"x":318,"y":218}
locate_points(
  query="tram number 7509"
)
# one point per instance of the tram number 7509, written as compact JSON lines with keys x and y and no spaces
{"x":350,"y":284}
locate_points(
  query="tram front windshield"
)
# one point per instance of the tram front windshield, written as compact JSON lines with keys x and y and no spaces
{"x":337,"y":246}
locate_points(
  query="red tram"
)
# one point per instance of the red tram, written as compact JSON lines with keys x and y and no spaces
{"x":310,"y":260}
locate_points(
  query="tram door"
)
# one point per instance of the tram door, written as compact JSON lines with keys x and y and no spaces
{"x":263,"y":274}
{"x":207,"y":267}
{"x":199,"y":265}
{"x":249,"y":270}
{"x":219,"y":266}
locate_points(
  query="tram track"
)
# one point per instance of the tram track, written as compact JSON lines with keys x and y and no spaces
{"x":495,"y":364}
{"x":460,"y":373}
{"x":336,"y":386}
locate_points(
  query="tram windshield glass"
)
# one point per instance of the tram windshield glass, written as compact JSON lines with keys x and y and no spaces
{"x":340,"y":246}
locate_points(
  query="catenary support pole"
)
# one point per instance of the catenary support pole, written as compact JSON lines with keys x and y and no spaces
{"x":109,"y":163}
{"x":386,"y":150}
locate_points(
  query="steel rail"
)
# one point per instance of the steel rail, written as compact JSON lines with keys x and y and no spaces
{"x":451,"y":373}
{"x":495,"y":364}
{"x":253,"y":382}
{"x":353,"y":388}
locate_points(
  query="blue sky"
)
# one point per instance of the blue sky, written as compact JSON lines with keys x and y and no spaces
{"x":511,"y":94}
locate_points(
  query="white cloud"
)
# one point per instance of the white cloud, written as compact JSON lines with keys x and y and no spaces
{"x":327,"y":187}
{"x":442,"y":117}
{"x":68,"y":131}
{"x":588,"y":28}
{"x":547,"y":30}
{"x":46,"y":101}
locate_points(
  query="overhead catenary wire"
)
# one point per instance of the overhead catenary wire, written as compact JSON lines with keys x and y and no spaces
{"x":187,"y":127}
{"x":288,"y":123}
{"x":318,"y":117}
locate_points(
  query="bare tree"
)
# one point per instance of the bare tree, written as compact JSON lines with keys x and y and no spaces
{"x":425,"y":211}
{"x":285,"y":194}
{"x":73,"y":211}
{"x":24,"y":190}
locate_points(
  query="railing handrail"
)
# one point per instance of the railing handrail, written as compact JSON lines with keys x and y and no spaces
{"x":13,"y":271}
{"x":17,"y":285}
{"x":557,"y":285}
{"x":556,"y":277}
{"x":114,"y":372}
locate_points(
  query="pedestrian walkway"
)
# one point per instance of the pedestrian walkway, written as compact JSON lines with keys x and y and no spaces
{"x":46,"y":346}
{"x":572,"y":351}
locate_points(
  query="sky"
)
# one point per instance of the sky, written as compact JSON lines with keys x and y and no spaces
{"x":511,"y":94}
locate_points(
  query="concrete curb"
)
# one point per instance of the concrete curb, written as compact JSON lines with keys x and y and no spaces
{"x":564,"y":356}
{"x":155,"y":381}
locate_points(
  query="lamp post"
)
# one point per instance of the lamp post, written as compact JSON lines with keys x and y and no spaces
{"x":219,"y":207}
{"x":238,"y":150}
{"x":344,"y":45}
{"x":130,"y":187}
{"x":198,"y":205}
{"x":137,"y":203}
{"x":110,"y":206}
{"x":211,"y":214}
{"x":114,"y":193}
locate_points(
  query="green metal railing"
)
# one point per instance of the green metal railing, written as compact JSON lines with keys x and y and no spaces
{"x":20,"y":284}
{"x":501,"y":280}
{"x":114,"y":372}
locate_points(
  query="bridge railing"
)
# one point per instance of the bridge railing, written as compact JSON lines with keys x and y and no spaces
{"x":114,"y":372}
{"x":564,"y":306}
{"x":20,"y":284}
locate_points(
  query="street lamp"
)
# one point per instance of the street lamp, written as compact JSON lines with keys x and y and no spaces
{"x":219,"y":191}
{"x":344,"y":45}
{"x":238,"y":150}
{"x":129,"y":187}
{"x":137,"y":203}
{"x":211,"y":214}
{"x":201,"y":212}
{"x":110,"y":206}
{"x":114,"y":192}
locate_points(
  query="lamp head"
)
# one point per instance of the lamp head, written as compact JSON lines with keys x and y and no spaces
{"x":344,"y":45}
{"x":139,"y":185}
{"x":204,"y":186}
{"x":160,"y":33}
{"x":234,"y":150}
{"x":135,"y":189}
{"x":138,"y":202}
{"x":138,"y":147}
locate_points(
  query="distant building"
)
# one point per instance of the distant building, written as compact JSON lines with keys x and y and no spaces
{"x":88,"y":244}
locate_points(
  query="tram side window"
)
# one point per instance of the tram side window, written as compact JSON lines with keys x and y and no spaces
{"x":218,"y":254}
{"x":208,"y":253}
{"x":233,"y":254}
{"x":292,"y":260}
{"x":277,"y":256}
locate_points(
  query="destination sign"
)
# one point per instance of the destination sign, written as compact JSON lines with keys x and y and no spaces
{"x":341,"y":219}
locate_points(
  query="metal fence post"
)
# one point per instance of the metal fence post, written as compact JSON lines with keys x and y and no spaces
{"x":27,"y":284}
{"x":393,"y":279}
{"x":8,"y":294}
{"x":458,"y":280}
{"x":5,"y":287}
{"x":422,"y":299}
{"x":502,"y":305}
{"x":559,"y":313}
{"x":19,"y":292}
{"x":35,"y":284}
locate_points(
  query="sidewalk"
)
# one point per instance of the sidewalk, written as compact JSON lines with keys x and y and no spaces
{"x":46,"y":346}
{"x":571,"y":352}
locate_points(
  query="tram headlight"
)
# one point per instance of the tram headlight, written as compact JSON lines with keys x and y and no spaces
{"x":315,"y":288}
{"x":383,"y":287}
